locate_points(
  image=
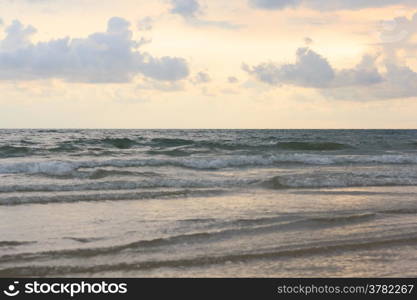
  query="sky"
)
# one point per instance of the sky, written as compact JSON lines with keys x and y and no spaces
{"x":208,"y":64}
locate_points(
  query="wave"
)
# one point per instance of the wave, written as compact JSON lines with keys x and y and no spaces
{"x":344,"y":218}
{"x":65,"y":167}
{"x":177,"y":147}
{"x":160,"y":144}
{"x":347,"y":179}
{"x":175,"y":152}
{"x":48,"y":131}
{"x":400,"y":211}
{"x":64,"y":147}
{"x":15,"y":243}
{"x":82,"y":240}
{"x":26,"y":142}
{"x":242,"y":227}
{"x":111,"y":196}
{"x":146,"y":182}
{"x":169,"y":142}
{"x":78,"y":144}
{"x":322,"y":248}
{"x":14,"y":151}
{"x":40,"y":167}
{"x":103,"y":173}
{"x":232,"y":145}
{"x":312,"y":146}
{"x":121,"y":143}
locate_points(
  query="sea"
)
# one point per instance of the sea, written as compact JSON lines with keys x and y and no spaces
{"x":208,"y":203}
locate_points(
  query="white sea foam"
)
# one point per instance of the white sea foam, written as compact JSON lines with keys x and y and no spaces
{"x":65,"y":167}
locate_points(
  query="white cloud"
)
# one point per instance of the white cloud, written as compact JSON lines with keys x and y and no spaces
{"x":110,"y":56}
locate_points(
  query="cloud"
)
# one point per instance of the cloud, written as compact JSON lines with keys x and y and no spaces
{"x":397,"y":82}
{"x":363,"y":82}
{"x":319,"y":20}
{"x":308,"y":41}
{"x":185,"y":8}
{"x":103,"y":57}
{"x":398,"y":35}
{"x":201,"y":77}
{"x":327,"y":4}
{"x":310,"y":70}
{"x":363,"y":74}
{"x":232,"y":79}
{"x":145,"y":24}
{"x":190,"y":10}
{"x":164,"y":68}
{"x":210,"y":23}
{"x":162,"y":86}
{"x":274,"y":4}
{"x":17,"y":36}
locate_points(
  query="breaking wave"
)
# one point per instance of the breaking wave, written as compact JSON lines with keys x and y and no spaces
{"x":58,"y":167}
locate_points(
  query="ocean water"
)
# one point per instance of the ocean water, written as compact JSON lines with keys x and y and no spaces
{"x":208,"y":203}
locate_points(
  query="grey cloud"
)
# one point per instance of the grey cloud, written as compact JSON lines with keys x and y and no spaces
{"x":17,"y":36}
{"x":327,"y":4}
{"x":362,"y":82}
{"x":365,"y":73}
{"x":396,"y":35}
{"x":190,"y":11}
{"x":201,"y":77}
{"x":110,"y":56}
{"x":274,"y":4}
{"x":398,"y":82}
{"x":164,"y":68}
{"x":310,"y":70}
{"x":185,"y":8}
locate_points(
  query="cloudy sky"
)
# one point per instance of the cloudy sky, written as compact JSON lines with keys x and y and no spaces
{"x":208,"y":64}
